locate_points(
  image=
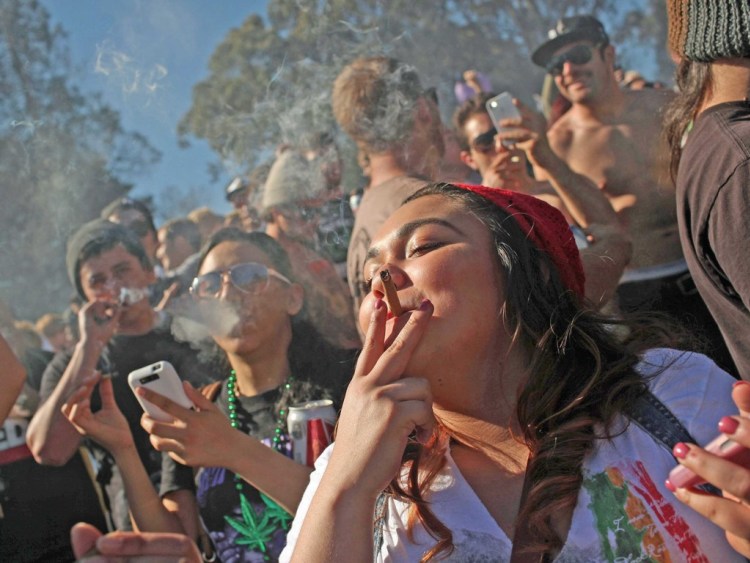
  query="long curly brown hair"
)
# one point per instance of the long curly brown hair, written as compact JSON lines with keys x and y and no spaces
{"x":579,"y":379}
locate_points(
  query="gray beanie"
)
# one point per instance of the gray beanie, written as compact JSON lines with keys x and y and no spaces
{"x":292,"y":178}
{"x":706,"y":30}
{"x":94,"y":238}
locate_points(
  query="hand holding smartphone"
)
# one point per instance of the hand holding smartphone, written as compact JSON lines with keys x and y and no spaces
{"x":501,"y":107}
{"x":161,"y":378}
{"x":722,"y":446}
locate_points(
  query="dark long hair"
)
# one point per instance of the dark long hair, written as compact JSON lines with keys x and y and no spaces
{"x":695,"y":82}
{"x":579,"y":379}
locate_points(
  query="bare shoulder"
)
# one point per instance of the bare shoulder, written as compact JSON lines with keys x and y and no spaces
{"x":560,"y":135}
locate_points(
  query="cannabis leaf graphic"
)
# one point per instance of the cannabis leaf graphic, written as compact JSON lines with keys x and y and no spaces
{"x":256,"y":532}
{"x":280,"y":516}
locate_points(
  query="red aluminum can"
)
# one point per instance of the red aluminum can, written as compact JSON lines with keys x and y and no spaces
{"x":311,"y":429}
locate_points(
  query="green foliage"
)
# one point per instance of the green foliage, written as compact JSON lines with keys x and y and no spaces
{"x":270,"y":81}
{"x":63,"y":156}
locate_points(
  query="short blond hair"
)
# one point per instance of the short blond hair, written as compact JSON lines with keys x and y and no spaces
{"x":374,"y":100}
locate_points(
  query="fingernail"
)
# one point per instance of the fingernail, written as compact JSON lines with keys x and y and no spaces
{"x":425,"y":305}
{"x":668,"y":484}
{"x":379,"y":304}
{"x":680,"y":450}
{"x":740,"y":382}
{"x":728,"y":425}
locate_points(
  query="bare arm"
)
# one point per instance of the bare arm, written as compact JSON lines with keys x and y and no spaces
{"x":338,"y":525}
{"x":205,"y":438}
{"x":604,"y":261}
{"x":610,"y":246}
{"x":584,"y":200}
{"x":109,"y":427}
{"x":381,"y":409}
{"x":12,"y":377}
{"x":51,"y":437}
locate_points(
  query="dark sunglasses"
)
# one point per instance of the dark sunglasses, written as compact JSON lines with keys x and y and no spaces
{"x":485,"y":142}
{"x":578,"y":55}
{"x":250,"y":277}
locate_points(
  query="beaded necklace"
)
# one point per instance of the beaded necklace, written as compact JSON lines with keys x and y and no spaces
{"x":257,"y":534}
{"x":278,"y":443}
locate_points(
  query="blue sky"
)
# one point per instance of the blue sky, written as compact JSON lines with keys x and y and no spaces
{"x":144,"y":56}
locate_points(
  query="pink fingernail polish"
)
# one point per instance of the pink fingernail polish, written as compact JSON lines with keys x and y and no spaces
{"x":379,"y":304}
{"x":668,"y":484}
{"x":740,"y":382}
{"x":680,"y":450}
{"x":728,"y":425}
{"x":425,"y":305}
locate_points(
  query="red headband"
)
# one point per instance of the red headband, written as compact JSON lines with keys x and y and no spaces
{"x":545,"y":226}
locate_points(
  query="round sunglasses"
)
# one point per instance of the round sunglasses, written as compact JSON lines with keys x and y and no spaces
{"x":249,"y":277}
{"x":578,"y":55}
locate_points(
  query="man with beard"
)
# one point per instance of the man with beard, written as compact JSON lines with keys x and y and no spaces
{"x":614,"y":137}
{"x":381,"y":105}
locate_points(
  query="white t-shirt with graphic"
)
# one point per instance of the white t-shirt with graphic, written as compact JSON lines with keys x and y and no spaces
{"x":624,"y":512}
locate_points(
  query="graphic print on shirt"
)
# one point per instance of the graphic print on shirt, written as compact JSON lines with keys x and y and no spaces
{"x":625,"y":501}
{"x":246,"y":525}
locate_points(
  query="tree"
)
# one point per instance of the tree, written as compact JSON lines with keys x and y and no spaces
{"x":270,"y":81}
{"x":63,"y":157}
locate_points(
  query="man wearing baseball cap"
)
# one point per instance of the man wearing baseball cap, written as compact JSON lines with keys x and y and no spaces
{"x":614,"y":137}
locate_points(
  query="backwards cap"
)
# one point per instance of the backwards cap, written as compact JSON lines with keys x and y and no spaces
{"x":545,"y":226}
{"x":706,"y":30}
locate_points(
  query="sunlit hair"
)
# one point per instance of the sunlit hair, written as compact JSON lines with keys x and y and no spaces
{"x":374,"y":100}
{"x":694,"y":81}
{"x":579,"y":378}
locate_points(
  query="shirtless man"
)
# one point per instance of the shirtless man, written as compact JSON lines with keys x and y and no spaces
{"x":614,"y":137}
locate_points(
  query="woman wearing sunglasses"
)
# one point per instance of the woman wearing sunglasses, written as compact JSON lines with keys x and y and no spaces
{"x":245,"y":487}
{"x":493,"y":420}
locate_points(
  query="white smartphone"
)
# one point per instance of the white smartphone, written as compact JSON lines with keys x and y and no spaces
{"x":161,"y":378}
{"x":501,"y":107}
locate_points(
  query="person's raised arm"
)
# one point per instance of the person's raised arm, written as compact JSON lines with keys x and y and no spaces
{"x":51,"y":437}
{"x":204,"y":437}
{"x":581,"y":196}
{"x":12,"y":377}
{"x":610,"y":246}
{"x":109,"y":428}
{"x":381,"y":409}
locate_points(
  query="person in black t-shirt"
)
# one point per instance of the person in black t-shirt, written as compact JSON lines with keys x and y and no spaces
{"x":245,"y":488}
{"x":117,"y":336}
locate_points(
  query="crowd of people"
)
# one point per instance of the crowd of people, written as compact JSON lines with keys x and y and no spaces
{"x":525,"y":325}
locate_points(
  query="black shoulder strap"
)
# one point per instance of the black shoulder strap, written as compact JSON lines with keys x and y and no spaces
{"x":654,"y":418}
